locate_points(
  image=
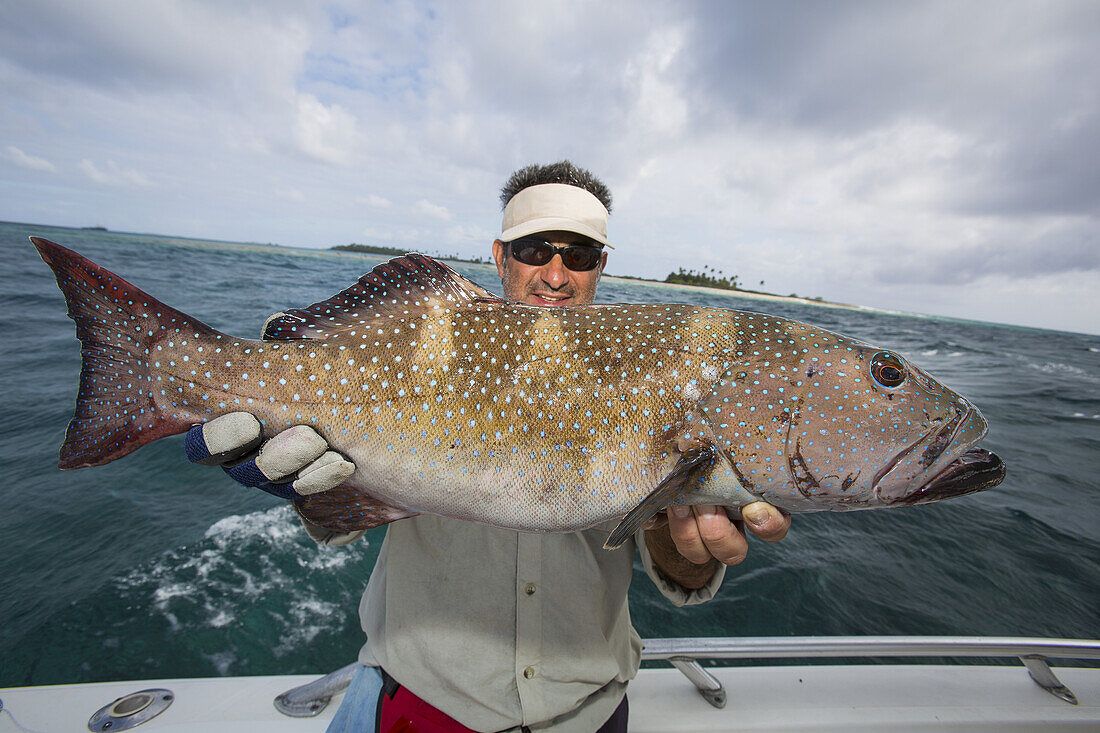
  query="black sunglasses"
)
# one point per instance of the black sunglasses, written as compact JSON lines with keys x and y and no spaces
{"x":537,"y":252}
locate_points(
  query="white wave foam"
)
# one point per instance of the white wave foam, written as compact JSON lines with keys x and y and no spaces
{"x":169,"y":591}
{"x":219,"y":617}
{"x":274,"y":524}
{"x":308,"y":617}
{"x":222,"y":661}
{"x":1059,"y":368}
{"x":245,"y":564}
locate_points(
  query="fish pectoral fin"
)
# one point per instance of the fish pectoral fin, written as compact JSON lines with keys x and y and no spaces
{"x":692,"y":466}
{"x":348,"y":509}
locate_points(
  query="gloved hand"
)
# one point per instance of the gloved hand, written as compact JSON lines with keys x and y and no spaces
{"x":292,"y":464}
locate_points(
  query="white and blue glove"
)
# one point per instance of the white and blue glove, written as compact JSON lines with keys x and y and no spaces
{"x":292,"y":464}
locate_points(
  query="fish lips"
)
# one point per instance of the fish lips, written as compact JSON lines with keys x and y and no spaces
{"x":974,"y":470}
{"x":935,"y":470}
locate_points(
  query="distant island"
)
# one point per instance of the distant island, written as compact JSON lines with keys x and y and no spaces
{"x":708,"y":277}
{"x":718,"y":280}
{"x":94,"y":229}
{"x":377,"y":249}
{"x":701,"y":279}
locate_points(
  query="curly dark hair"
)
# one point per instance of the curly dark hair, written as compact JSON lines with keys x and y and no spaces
{"x":561,"y":172}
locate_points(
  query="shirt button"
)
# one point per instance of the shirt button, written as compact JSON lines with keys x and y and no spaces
{"x":529,"y":672}
{"x":529,"y":589}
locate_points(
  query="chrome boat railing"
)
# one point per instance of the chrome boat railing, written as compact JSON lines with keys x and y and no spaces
{"x":684,"y":654}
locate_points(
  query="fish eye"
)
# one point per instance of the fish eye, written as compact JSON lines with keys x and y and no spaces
{"x":887,"y":369}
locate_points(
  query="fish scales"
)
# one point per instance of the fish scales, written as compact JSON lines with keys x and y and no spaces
{"x":454,"y":402}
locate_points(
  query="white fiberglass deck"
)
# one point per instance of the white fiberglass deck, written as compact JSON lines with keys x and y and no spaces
{"x":855,"y":697}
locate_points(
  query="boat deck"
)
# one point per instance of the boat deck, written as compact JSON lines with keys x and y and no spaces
{"x":897,"y":698}
{"x":1026,"y":696}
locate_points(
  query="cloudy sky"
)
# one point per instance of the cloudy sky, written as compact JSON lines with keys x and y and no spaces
{"x":936,"y":157}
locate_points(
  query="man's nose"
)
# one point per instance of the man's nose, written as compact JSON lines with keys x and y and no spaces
{"x":553,"y":272}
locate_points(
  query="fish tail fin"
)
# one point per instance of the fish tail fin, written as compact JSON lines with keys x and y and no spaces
{"x":119,"y":327}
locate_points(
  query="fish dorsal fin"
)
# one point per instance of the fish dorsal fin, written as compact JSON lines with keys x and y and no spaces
{"x":403,"y":287}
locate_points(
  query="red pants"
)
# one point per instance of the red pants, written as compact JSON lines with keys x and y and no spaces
{"x":404,"y":712}
{"x":400,"y":711}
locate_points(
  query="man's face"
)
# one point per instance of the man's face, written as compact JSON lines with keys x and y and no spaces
{"x":552,"y":283}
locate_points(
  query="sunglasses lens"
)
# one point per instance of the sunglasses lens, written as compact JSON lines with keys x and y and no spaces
{"x":580,"y":258}
{"x":536,"y":252}
{"x":532,"y":251}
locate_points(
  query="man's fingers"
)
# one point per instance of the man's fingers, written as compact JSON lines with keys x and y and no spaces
{"x":766,"y":521}
{"x":327,"y":472}
{"x":723,"y":539}
{"x":223,"y":439}
{"x":290,"y":451}
{"x":704,"y":532}
{"x":685,"y":534}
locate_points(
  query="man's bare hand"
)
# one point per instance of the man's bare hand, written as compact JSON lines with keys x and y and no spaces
{"x":703,"y":533}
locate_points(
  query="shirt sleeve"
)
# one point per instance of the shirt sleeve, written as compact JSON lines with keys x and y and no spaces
{"x":675,"y":592}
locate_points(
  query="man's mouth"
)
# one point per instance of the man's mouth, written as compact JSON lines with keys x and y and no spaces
{"x":551,"y":298}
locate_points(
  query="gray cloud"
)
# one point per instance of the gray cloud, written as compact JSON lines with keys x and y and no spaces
{"x":826,"y":147}
{"x":154,"y":47}
{"x":1064,"y":248}
{"x":1017,"y":80}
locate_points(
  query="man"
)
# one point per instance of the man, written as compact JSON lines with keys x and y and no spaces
{"x":489,"y":629}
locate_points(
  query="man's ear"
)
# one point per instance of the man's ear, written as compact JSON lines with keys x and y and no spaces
{"x":499,"y":256}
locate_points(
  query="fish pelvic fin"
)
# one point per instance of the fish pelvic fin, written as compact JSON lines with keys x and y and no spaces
{"x":692,"y":466}
{"x":119,"y":327}
{"x":348,"y":509}
{"x":405,"y":286}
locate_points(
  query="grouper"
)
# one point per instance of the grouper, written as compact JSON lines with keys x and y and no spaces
{"x":452,"y":401}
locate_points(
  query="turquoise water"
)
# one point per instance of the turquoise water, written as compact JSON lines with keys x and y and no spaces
{"x":150,"y":567}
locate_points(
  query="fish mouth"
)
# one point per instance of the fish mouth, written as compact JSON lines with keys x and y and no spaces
{"x":947,"y":472}
{"x":927,"y":449}
{"x":975,"y":470}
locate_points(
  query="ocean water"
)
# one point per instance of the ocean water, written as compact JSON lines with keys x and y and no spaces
{"x":151,"y":567}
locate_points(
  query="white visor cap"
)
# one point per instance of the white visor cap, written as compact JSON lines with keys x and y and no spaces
{"x":550,"y":207}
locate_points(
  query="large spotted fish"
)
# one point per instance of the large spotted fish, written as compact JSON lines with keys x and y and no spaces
{"x":452,"y":401}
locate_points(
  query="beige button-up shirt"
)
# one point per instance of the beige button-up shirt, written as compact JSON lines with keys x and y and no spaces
{"x":501,"y":629}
